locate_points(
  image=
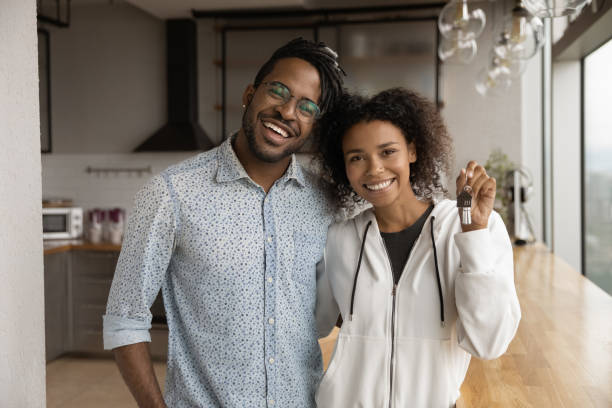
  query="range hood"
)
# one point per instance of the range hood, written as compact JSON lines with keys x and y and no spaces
{"x":182,"y":131}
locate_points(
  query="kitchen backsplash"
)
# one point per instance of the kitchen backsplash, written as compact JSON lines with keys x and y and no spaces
{"x":65,"y":175}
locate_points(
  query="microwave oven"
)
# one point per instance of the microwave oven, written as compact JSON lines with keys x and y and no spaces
{"x":62,"y":223}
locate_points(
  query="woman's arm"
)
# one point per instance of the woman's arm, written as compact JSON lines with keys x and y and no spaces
{"x":485,"y":295}
{"x":487,"y":305}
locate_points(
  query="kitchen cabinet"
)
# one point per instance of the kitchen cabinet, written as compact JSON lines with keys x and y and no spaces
{"x":92,"y":275}
{"x":78,"y":279}
{"x":56,"y":304}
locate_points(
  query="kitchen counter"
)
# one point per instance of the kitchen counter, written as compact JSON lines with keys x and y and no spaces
{"x":53,"y":246}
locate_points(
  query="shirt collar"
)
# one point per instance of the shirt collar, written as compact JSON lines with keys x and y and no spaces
{"x":231,"y":169}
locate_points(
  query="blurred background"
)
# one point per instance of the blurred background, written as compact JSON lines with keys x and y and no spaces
{"x":128,"y":87}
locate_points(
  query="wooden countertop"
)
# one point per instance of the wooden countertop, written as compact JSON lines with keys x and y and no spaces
{"x":53,"y":246}
{"x":561,"y":355}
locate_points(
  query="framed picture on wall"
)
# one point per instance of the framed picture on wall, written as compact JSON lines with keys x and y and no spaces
{"x":44,"y":90}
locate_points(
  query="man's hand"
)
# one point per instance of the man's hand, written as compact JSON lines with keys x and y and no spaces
{"x":483,"y":194}
{"x":134,"y":362}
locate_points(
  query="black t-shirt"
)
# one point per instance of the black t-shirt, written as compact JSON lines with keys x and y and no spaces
{"x":399,"y":244}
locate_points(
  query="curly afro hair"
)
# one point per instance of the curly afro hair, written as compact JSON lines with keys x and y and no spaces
{"x":416,"y":117}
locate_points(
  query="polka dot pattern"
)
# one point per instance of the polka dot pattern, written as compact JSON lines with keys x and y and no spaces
{"x":239,"y":286}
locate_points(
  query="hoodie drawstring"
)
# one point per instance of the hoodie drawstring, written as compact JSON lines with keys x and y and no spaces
{"x":433,"y":243}
{"x":365,"y":234}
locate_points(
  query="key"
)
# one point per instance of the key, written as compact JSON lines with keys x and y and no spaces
{"x":464,"y":201}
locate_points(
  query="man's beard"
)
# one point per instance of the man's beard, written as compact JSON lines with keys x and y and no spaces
{"x":248,"y":128}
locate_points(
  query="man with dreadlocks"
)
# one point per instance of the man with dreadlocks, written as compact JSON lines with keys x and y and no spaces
{"x":232,"y":237}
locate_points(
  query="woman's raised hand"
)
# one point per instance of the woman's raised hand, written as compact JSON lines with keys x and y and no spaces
{"x":483,"y":194}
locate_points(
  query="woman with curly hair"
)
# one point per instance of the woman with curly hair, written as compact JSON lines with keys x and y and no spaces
{"x":418,"y":292}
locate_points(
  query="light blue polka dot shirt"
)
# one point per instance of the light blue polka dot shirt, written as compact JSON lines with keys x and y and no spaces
{"x":237,"y":269}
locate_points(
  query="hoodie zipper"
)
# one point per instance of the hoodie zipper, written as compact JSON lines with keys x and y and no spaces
{"x":391,"y":365}
{"x":393,"y":292}
{"x":393,"y":297}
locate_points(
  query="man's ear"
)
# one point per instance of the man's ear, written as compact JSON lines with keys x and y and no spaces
{"x":247,"y":96}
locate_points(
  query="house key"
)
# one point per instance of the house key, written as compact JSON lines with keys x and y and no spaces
{"x":464,"y":202}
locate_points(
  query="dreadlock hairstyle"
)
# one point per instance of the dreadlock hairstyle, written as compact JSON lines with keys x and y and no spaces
{"x":320,"y":56}
{"x":416,"y":117}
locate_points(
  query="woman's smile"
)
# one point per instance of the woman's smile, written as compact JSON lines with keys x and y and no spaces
{"x":381,"y":186}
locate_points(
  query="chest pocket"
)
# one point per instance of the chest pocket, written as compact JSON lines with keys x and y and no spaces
{"x":307,"y":251}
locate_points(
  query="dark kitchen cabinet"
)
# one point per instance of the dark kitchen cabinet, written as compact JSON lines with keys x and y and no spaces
{"x":56,"y":304}
{"x":92,"y":275}
{"x":77,"y":284}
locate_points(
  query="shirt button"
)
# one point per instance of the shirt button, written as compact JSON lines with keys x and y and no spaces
{"x":269,"y":239}
{"x":271,"y":402}
{"x":270,"y":279}
{"x":271,"y":360}
{"x":271,"y":320}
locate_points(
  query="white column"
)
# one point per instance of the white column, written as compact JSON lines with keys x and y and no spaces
{"x":22,"y":340}
{"x":566,"y":202}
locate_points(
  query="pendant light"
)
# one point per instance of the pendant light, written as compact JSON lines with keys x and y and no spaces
{"x":458,"y":21}
{"x":554,"y":8}
{"x":513,"y":68}
{"x":493,"y":82}
{"x":457,"y":51}
{"x":521,"y":36}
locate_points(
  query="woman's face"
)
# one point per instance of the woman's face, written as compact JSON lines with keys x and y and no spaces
{"x":377,"y":160}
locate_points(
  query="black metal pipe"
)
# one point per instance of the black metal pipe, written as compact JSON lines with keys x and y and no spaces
{"x":258,"y":13}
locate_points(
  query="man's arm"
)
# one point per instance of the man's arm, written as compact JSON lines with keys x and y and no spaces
{"x":134,"y":361}
{"x":141,"y":270}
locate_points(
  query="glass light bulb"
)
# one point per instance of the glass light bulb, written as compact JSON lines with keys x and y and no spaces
{"x":521,"y":36}
{"x":493,"y":82}
{"x":513,"y":68}
{"x":457,"y":51}
{"x":457,"y":21}
{"x":554,"y":8}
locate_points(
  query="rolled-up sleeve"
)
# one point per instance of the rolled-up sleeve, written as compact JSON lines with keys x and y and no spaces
{"x":142,"y":266}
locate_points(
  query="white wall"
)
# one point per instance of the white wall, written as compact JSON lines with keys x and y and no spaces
{"x":108,"y":90}
{"x":108,"y":78}
{"x":477,"y":123}
{"x":65,"y":176}
{"x":22,"y":347}
{"x":566,"y":163}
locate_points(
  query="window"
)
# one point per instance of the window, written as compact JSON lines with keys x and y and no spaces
{"x":597,"y":170}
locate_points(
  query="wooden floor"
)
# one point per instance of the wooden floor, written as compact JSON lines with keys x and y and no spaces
{"x":560,"y":357}
{"x":562,"y":353}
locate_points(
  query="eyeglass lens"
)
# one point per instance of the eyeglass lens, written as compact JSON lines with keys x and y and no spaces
{"x":306,"y":109}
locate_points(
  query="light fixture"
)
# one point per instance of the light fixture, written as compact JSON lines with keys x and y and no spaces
{"x":457,"y":51}
{"x":512,"y":67}
{"x":457,"y":21}
{"x":554,"y":8}
{"x":521,"y":36}
{"x":493,"y":81}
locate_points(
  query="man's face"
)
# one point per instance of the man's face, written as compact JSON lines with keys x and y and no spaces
{"x":274,"y":131}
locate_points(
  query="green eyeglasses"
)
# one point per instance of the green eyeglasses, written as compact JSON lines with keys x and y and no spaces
{"x":279,"y":94}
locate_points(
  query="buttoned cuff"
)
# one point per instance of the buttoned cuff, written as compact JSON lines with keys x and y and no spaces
{"x":476,"y":250}
{"x":121,"y":331}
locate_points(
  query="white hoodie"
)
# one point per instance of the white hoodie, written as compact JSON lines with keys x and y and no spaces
{"x":395,"y":352}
